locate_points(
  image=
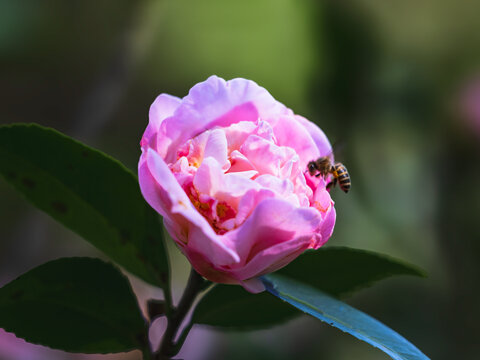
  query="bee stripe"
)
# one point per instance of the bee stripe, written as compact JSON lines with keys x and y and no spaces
{"x":343,"y":176}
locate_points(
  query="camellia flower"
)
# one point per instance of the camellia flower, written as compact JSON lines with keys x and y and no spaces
{"x":226,"y":167}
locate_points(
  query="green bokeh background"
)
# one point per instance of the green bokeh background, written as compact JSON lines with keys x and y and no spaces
{"x":382,"y":78}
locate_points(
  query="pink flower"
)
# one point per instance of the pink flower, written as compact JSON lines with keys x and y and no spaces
{"x":226,"y":167}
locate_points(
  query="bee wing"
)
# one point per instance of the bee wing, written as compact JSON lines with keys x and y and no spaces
{"x":337,"y":149}
{"x":329,"y":155}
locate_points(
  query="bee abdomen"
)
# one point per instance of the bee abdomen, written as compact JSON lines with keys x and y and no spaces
{"x":343,"y":177}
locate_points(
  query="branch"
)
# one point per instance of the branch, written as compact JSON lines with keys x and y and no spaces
{"x":168,"y":348}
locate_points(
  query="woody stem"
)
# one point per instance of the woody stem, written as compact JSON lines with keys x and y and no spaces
{"x":176,"y":317}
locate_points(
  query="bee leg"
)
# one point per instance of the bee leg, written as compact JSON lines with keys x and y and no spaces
{"x":332,"y":184}
{"x":318,"y":175}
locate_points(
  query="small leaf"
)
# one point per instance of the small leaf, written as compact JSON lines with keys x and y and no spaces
{"x":341,"y":271}
{"x":342,"y":316}
{"x":88,"y":192}
{"x":335,"y":270}
{"x":74,"y":304}
{"x":231,"y":307}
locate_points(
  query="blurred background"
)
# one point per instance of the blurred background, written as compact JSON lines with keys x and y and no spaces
{"x":396,"y":82}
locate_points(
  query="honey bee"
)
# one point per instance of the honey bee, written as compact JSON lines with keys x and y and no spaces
{"x":323,"y":166}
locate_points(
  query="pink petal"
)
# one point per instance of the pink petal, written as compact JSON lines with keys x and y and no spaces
{"x":282,"y":187}
{"x":206,"y":267}
{"x":266,"y":157}
{"x":216,"y":102}
{"x":273,"y":221}
{"x":229,"y":188}
{"x":327,"y":227}
{"x":254,"y":285}
{"x":322,"y":199}
{"x":216,"y":147}
{"x":239,"y":162}
{"x":161,"y":190}
{"x":209,"y":178}
{"x":163,"y":107}
{"x":237,"y":133}
{"x":273,"y":257}
{"x":216,"y":97}
{"x":249,"y":201}
{"x":288,"y":133}
{"x":324,"y":203}
{"x":317,"y":135}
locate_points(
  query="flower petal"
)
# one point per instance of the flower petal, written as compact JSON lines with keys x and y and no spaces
{"x":164,"y":194}
{"x":273,"y":221}
{"x":265,"y":156}
{"x":273,"y":257}
{"x":163,"y":107}
{"x":240,"y":163}
{"x":254,"y":285}
{"x":216,"y":147}
{"x":230,"y":187}
{"x":216,"y":102}
{"x":323,"y":202}
{"x":288,"y":133}
{"x":318,"y":136}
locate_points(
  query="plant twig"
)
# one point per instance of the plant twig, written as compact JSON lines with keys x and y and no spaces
{"x":167,"y":293}
{"x":168,"y":348}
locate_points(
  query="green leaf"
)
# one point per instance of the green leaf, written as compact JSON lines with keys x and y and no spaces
{"x":74,"y":304}
{"x":231,"y":307}
{"x":341,"y":271}
{"x":88,"y":192}
{"x":335,"y":270}
{"x":342,"y":316}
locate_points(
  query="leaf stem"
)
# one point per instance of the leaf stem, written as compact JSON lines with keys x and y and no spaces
{"x":168,"y":347}
{"x":167,"y":292}
{"x":183,"y":336}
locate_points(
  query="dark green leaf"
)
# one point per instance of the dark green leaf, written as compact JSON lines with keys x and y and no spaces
{"x":342,"y":316}
{"x":88,"y":192}
{"x":231,"y":307}
{"x":74,"y":304}
{"x":340,"y":271}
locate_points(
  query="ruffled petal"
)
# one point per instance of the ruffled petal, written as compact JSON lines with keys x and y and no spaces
{"x":240,"y":163}
{"x":323,"y":202}
{"x":318,"y":136}
{"x":163,"y":107}
{"x":254,"y":285}
{"x":273,"y":221}
{"x":216,"y":102}
{"x":162,"y":191}
{"x":265,"y":156}
{"x":231,"y":187}
{"x":216,"y":147}
{"x":288,"y":133}
{"x":273,"y":257}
